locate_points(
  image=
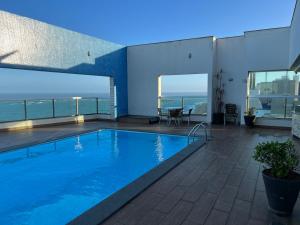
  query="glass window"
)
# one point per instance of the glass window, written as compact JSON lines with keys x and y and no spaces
{"x":273,"y":94}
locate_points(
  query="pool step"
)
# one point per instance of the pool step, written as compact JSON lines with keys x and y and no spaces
{"x":139,"y":119}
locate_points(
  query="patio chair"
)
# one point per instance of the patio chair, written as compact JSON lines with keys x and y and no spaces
{"x":230,"y":113}
{"x":175,"y":115}
{"x":188,"y":115}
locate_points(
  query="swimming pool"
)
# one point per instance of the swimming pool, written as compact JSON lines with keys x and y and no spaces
{"x":54,"y":182}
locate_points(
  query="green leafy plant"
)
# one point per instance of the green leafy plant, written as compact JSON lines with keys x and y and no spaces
{"x":250,"y":112}
{"x":280,"y":157}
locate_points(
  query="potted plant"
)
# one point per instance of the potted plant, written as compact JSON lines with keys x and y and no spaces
{"x":249,"y":117}
{"x":282,"y":183}
{"x":218,"y":115}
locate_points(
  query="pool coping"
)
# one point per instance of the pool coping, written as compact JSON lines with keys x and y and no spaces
{"x":102,"y":211}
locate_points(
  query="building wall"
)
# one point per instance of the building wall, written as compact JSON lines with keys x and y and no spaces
{"x":295,"y":37}
{"x":231,"y":59}
{"x":267,"y":49}
{"x":147,"y":62}
{"x":33,"y":45}
{"x":255,"y":51}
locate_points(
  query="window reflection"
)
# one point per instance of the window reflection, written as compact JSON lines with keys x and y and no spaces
{"x":274,"y":93}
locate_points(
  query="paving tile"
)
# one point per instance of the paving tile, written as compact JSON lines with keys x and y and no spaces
{"x":235,"y":177}
{"x":217,"y":218}
{"x":226,"y":168}
{"x":170,"y":200}
{"x":260,"y":186}
{"x":192,"y":177}
{"x":252,"y":171}
{"x":138,"y":209}
{"x":169,"y":182}
{"x":202,"y":208}
{"x":246,"y":190}
{"x":240,"y":213}
{"x":216,"y":184}
{"x":111,"y":222}
{"x":152,"y":218}
{"x":260,"y":209}
{"x":226,"y":198}
{"x":194,"y":192}
{"x":178,"y":214}
{"x":188,"y":222}
{"x":257,"y":222}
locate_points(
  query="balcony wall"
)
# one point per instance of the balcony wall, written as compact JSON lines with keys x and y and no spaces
{"x":147,"y":62}
{"x":33,"y":45}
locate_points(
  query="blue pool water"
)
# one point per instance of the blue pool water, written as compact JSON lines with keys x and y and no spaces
{"x":55,"y":182}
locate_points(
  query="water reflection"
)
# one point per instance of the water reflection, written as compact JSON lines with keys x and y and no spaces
{"x":78,"y":146}
{"x":159,"y":149}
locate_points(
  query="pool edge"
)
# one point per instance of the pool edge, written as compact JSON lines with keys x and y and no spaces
{"x":102,"y":211}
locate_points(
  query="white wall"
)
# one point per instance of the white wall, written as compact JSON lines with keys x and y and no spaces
{"x":236,"y":56}
{"x":231,"y":59}
{"x":255,"y":51}
{"x":295,"y":36}
{"x":267,"y":49}
{"x":147,"y":62}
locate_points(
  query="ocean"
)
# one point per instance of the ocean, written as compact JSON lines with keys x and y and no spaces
{"x":41,"y":105}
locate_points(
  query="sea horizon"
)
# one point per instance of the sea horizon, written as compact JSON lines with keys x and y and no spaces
{"x":41,"y":96}
{"x":177,"y":94}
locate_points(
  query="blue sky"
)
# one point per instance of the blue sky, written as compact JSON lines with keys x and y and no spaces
{"x":193,"y":84}
{"x":16,"y":83}
{"x":132,"y":22}
{"x":142,"y":21}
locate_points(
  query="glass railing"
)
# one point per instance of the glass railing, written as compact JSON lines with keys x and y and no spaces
{"x":198,"y":104}
{"x":31,"y":109}
{"x":273,"y":106}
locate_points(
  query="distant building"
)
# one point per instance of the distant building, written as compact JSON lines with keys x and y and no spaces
{"x":283,"y":86}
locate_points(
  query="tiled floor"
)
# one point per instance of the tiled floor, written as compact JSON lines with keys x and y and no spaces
{"x":219,"y":184}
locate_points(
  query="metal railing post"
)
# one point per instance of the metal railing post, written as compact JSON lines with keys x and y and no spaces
{"x":77,"y":108}
{"x":97,"y":105}
{"x":182,"y":102}
{"x":25,"y":109}
{"x":53,"y":108}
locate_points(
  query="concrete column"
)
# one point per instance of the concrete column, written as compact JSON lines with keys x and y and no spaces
{"x":113,"y":99}
{"x":159,"y":90}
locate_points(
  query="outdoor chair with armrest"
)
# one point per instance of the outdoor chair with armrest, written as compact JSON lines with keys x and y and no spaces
{"x":230,"y":113}
{"x":175,"y":115}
